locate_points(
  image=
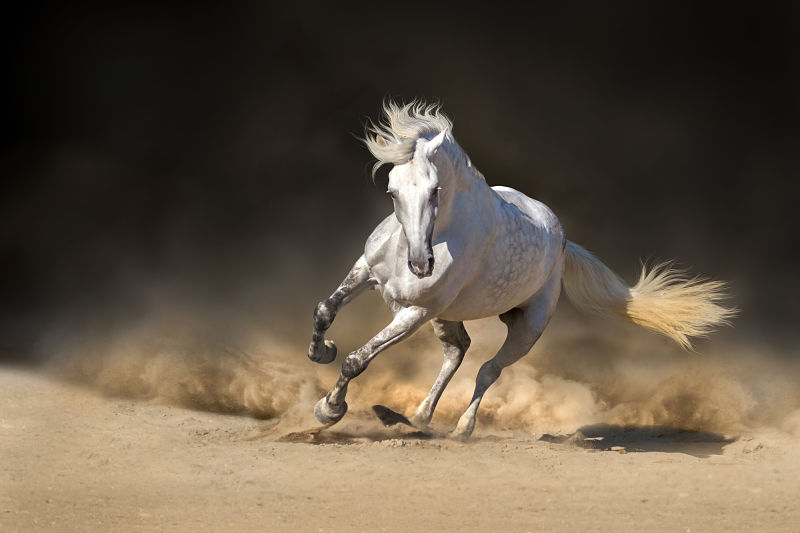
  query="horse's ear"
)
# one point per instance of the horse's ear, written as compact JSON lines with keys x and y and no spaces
{"x":380,"y":141}
{"x":434,"y":144}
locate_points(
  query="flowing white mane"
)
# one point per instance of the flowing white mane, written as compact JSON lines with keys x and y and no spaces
{"x":391,"y":140}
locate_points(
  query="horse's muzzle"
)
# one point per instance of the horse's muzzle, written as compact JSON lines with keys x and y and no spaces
{"x":421,"y":269}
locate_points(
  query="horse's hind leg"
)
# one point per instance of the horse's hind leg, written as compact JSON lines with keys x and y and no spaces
{"x":332,"y":407}
{"x":455,"y":342}
{"x":359,"y":278}
{"x":525,"y":326}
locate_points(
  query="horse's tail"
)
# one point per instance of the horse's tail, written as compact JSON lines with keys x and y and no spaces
{"x":663,"y":300}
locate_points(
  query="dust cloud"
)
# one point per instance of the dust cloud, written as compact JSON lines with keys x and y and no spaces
{"x":175,"y":362}
{"x":584,"y":371}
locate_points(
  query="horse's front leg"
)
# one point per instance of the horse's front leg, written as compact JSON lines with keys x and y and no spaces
{"x":359,"y":278}
{"x":332,"y":407}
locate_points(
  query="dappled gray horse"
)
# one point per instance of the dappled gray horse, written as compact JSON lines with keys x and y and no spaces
{"x":456,"y":249}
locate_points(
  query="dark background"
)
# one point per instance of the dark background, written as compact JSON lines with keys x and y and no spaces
{"x":206,"y":157}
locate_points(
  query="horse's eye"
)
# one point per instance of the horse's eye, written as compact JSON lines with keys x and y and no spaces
{"x":390,"y":193}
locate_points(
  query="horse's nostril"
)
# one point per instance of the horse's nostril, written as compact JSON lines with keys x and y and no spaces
{"x":420,"y":270}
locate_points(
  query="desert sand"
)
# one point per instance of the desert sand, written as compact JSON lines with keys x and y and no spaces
{"x":77,"y":460}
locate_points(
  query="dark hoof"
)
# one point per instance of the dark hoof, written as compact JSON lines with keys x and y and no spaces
{"x":328,"y":414}
{"x":389,"y":417}
{"x":322,"y":353}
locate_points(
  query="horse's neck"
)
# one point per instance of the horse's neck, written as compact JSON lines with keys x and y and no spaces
{"x":464,"y":186}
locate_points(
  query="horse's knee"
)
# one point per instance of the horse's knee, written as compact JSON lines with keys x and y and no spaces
{"x":352,"y":366}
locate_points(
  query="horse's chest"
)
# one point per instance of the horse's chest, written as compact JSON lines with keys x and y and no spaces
{"x":398,"y":284}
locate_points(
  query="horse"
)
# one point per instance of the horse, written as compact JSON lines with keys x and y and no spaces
{"x":456,"y":249}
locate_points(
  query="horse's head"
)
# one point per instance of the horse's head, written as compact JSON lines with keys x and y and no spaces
{"x":414,"y":188}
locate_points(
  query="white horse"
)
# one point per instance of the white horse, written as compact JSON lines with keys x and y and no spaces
{"x":456,"y":249}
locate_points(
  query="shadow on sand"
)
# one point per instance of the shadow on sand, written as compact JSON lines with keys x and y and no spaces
{"x":644,"y":439}
{"x":600,"y":437}
{"x":325,"y":436}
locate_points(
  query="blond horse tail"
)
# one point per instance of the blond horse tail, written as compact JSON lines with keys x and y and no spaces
{"x":663,"y":300}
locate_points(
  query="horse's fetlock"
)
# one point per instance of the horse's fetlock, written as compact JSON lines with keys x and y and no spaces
{"x":323,"y":316}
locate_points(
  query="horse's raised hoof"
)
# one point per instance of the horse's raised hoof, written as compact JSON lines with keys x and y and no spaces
{"x":322,"y":353}
{"x":328,"y":414}
{"x":389,"y":417}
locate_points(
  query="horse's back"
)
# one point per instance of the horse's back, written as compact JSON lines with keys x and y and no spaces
{"x":536,"y":210}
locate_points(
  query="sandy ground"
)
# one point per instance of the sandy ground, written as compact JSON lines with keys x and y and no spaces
{"x":73,"y":460}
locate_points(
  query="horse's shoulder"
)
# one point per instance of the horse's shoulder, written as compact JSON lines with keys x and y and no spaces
{"x":380,"y":237}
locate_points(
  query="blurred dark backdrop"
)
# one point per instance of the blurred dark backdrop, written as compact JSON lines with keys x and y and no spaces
{"x":205,"y":156}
